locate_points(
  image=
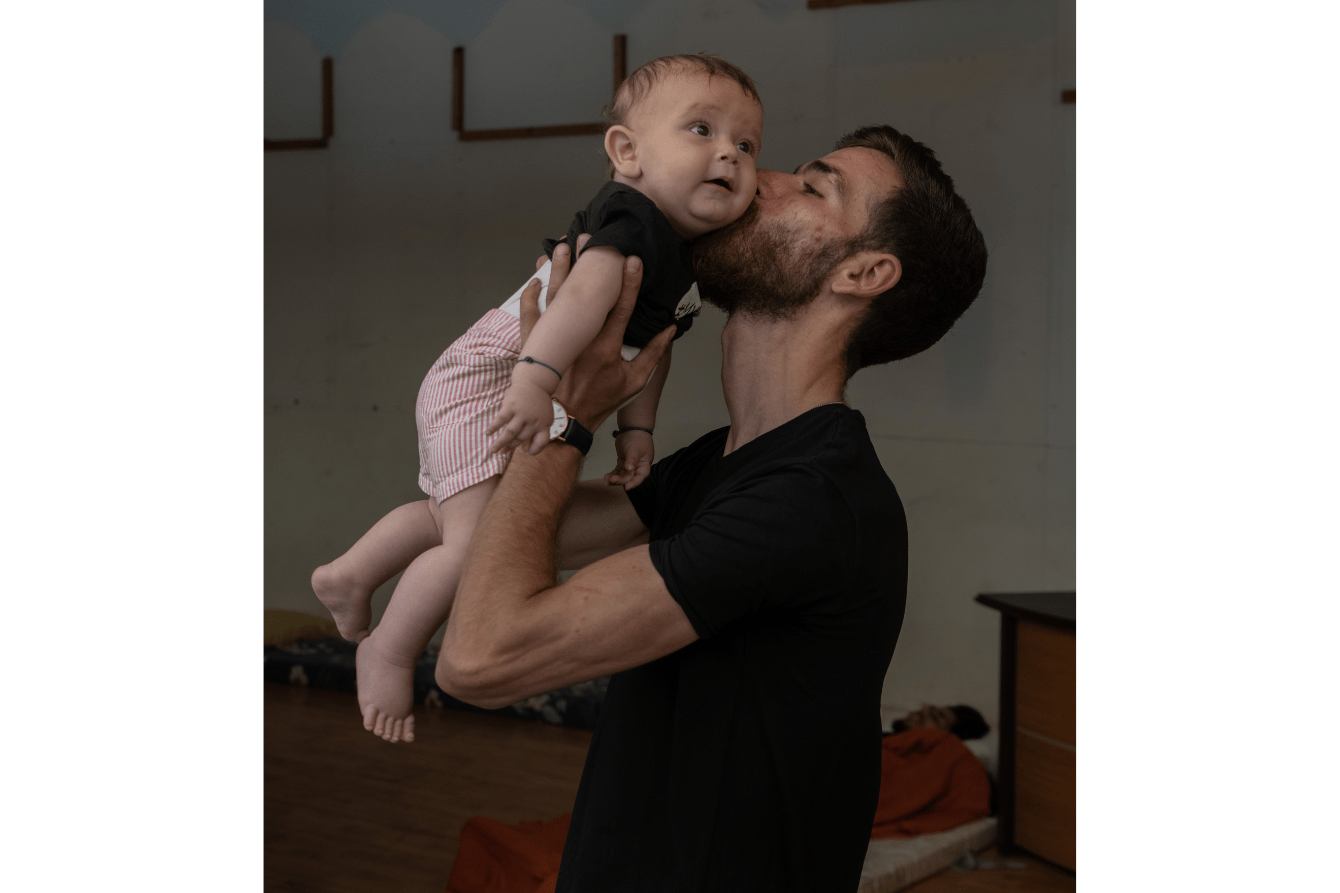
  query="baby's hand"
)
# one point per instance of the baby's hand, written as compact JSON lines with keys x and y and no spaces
{"x":524,"y":420}
{"x":635,"y":450}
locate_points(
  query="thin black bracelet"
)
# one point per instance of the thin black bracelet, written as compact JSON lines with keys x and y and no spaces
{"x":618,"y":431}
{"x":538,"y":363}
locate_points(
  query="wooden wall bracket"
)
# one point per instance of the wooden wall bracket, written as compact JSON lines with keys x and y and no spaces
{"x":520,"y":133}
{"x":327,"y":115}
{"x":834,"y":4}
{"x":1068,"y":97}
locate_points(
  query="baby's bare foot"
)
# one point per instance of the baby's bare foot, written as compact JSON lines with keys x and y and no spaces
{"x":348,"y":605}
{"x":385,"y":692}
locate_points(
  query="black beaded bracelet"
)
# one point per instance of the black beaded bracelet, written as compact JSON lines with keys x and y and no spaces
{"x":618,"y":431}
{"x":539,"y":363}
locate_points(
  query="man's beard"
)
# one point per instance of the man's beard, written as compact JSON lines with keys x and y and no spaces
{"x":754,"y":268}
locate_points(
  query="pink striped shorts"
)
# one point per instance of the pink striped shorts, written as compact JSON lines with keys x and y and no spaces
{"x":458,"y":399}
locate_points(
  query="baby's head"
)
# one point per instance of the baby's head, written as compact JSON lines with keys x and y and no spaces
{"x":685,"y":131}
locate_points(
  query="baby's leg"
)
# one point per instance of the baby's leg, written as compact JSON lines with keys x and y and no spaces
{"x":345,"y":586}
{"x":419,"y":605}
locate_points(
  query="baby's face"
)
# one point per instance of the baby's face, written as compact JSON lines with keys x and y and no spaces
{"x":697,"y":145}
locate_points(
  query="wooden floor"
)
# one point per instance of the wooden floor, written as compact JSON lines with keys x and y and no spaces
{"x":348,"y":813}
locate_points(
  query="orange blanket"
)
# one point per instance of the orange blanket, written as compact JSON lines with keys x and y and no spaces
{"x":498,"y":858}
{"x":929,"y":782}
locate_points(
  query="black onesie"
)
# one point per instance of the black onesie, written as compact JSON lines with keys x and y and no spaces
{"x":625,"y":219}
{"x":750,"y":759}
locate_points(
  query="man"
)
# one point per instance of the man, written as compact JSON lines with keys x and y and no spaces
{"x":749,"y":593}
{"x":961,"y":721}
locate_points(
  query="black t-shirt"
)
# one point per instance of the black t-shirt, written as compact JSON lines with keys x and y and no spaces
{"x":750,"y":759}
{"x":625,"y":219}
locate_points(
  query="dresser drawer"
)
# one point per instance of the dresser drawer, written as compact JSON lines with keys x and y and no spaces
{"x":1044,"y":799}
{"x":1037,"y":724}
{"x":1045,"y":682}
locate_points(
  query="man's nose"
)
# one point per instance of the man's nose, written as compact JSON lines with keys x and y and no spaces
{"x":769,"y":182}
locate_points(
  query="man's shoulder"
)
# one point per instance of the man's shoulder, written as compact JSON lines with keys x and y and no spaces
{"x":699,"y":451}
{"x":821,"y":466}
{"x":831,"y":472}
{"x":825,"y":453}
{"x":831,"y":440}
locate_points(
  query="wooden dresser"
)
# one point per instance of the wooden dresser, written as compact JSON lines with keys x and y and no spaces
{"x":1036,"y":787}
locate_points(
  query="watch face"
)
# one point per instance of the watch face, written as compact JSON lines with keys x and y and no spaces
{"x":560,"y":423}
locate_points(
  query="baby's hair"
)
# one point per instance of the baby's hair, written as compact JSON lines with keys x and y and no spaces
{"x":638,"y":85}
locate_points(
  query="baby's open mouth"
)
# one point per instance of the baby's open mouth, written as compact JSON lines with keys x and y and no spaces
{"x":724,"y":184}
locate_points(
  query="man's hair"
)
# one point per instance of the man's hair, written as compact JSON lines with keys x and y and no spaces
{"x":928,"y":227}
{"x":638,"y":85}
{"x":968,"y":723}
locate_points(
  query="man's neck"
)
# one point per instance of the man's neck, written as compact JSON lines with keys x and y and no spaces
{"x":773,"y":371}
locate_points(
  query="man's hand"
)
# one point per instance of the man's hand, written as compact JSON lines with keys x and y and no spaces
{"x":600,"y":379}
{"x":530,"y":298}
{"x":636,"y":451}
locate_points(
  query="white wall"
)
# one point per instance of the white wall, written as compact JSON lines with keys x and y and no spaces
{"x":383,"y":248}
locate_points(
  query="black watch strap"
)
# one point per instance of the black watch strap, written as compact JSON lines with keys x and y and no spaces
{"x":577,"y":435}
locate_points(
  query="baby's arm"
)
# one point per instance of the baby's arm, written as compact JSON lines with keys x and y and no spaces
{"x":635,"y":449}
{"x":565,"y":329}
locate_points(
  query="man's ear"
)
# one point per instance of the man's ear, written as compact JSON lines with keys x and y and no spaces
{"x":621,"y":147}
{"x":867,"y":273}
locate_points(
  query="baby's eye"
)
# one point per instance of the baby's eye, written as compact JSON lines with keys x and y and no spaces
{"x":701,"y":129}
{"x":745,"y":146}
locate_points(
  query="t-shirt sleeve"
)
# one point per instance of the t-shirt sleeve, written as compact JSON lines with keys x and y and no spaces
{"x":778,"y":543}
{"x":626,"y":225}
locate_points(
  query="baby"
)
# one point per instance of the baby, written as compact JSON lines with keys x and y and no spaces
{"x":682,"y":143}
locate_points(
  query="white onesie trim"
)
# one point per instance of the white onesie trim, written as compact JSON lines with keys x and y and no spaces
{"x":512,"y":305}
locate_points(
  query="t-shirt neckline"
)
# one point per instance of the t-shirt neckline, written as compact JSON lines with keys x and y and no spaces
{"x":767,"y":435}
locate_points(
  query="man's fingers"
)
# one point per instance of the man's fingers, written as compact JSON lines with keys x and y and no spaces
{"x":617,"y":320}
{"x":558,"y":270}
{"x":632,"y":281}
{"x":642,"y":365}
{"x":562,"y":265}
{"x":530,"y":308}
{"x":541,"y":261}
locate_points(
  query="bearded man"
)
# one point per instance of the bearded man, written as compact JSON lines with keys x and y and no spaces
{"x":747,"y":596}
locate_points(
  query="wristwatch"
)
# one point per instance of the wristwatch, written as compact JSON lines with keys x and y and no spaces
{"x":569,"y":430}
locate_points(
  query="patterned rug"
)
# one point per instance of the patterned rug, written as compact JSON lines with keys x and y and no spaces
{"x":329,"y":664}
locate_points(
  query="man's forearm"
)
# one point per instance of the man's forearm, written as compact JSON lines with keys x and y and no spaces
{"x":511,"y":558}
